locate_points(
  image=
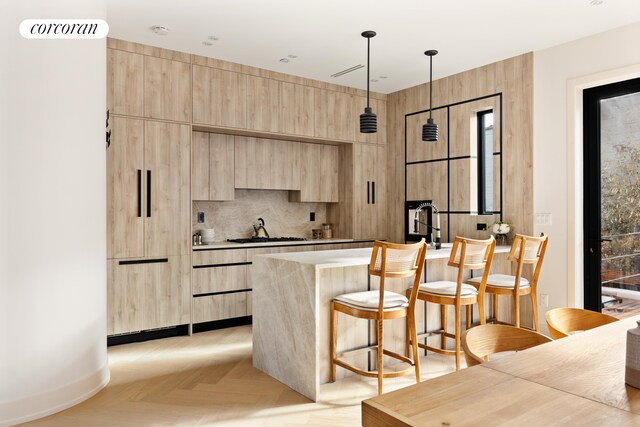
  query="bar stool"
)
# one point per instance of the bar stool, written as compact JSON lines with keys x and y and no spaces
{"x":388,"y":260}
{"x":524,"y":250}
{"x":466,"y":254}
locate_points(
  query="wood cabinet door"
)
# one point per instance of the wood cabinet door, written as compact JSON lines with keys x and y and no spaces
{"x":200,"y":166}
{"x":219,"y":279}
{"x":379,"y":204}
{"x":166,"y":293}
{"x":369,"y":191}
{"x":263,"y":104}
{"x":296,"y":109}
{"x":125,"y":83}
{"x":267,"y":164}
{"x":318,"y":174}
{"x":167,"y":215}
{"x":125,"y":201}
{"x":334,"y":115}
{"x":221,"y":167}
{"x":125,"y":289}
{"x":219,"y":97}
{"x":167,"y":89}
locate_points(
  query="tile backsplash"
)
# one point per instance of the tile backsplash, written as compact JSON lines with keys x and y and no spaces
{"x":233,"y":219}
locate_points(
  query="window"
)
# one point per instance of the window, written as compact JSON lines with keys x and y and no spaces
{"x":485,"y":162}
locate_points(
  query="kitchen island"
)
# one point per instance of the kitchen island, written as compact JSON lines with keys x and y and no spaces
{"x":292,"y":293}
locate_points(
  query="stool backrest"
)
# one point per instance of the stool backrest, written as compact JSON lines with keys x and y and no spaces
{"x":528,"y":250}
{"x":562,"y":321}
{"x":485,"y":340}
{"x":470,"y":254}
{"x":395,"y":260}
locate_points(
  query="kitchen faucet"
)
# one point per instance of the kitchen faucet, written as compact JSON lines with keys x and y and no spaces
{"x":416,"y":222}
{"x":258,"y":228}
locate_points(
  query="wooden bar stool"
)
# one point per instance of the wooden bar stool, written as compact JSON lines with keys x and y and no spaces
{"x":466,"y":254}
{"x":388,"y":260}
{"x":524,"y":250}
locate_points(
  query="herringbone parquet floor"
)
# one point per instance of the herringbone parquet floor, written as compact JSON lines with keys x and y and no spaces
{"x":208,"y":380}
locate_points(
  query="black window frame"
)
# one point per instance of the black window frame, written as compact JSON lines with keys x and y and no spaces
{"x":482,"y":148}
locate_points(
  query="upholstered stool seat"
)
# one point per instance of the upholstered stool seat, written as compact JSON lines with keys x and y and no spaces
{"x":447,"y":288}
{"x":370,"y":300}
{"x":501,"y":281}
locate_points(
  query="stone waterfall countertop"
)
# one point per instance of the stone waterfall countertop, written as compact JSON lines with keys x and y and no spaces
{"x":233,"y":245}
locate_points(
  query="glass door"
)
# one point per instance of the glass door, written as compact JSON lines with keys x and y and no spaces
{"x":612,"y":198}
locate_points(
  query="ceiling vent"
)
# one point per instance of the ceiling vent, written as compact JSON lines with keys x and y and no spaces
{"x":348,"y":70}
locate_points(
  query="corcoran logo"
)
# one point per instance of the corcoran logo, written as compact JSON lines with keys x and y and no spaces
{"x":64,"y":29}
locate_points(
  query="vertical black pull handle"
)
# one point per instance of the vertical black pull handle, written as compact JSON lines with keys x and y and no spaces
{"x":368,"y":193}
{"x":373,"y":192}
{"x":148,"y":194}
{"x":139,"y":193}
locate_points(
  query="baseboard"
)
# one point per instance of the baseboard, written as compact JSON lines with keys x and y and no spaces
{"x":153,"y":334}
{"x":43,"y":404}
{"x":221,"y":324}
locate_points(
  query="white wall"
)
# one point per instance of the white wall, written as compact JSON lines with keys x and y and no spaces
{"x":52,"y":213}
{"x":560,"y":75}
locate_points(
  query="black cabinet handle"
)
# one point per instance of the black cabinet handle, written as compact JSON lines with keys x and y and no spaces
{"x":139,"y":193}
{"x":143,"y":261}
{"x":368,"y":193}
{"x":373,"y":192}
{"x":148,"y":194}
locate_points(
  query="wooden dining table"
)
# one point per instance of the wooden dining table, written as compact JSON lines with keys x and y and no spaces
{"x":578,"y":380}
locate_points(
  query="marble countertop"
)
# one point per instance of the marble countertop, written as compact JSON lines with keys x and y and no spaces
{"x":353,"y":257}
{"x":232,"y":245}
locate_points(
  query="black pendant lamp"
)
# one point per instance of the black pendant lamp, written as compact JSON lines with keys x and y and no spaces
{"x":430,"y":129}
{"x":368,"y":119}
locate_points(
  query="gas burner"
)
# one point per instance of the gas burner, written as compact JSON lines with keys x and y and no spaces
{"x":266,"y":239}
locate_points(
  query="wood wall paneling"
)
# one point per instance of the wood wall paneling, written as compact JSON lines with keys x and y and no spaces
{"x":219,"y":97}
{"x":379,"y":108}
{"x":464,"y":126}
{"x":167,"y":89}
{"x":417,"y":149}
{"x":428,"y":182}
{"x":125,"y":83}
{"x":125,"y":157}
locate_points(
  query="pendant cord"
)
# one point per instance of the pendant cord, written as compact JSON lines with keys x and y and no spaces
{"x":368,"y":54}
{"x":430,"y":84}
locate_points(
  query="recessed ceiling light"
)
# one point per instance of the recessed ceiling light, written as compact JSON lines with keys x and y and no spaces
{"x":285,"y":60}
{"x":214,"y":38}
{"x":383,"y":77}
{"x":596,"y":2}
{"x":160,"y":30}
{"x":207,"y":43}
{"x":292,"y":56}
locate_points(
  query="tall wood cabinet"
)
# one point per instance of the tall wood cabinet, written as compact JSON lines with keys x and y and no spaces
{"x":148,"y":225}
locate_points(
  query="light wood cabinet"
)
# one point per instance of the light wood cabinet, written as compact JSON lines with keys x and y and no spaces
{"x":167,"y":89}
{"x":219,"y":307}
{"x":318,"y":174}
{"x":297,"y":109}
{"x":267,"y":164}
{"x":219,"y":97}
{"x":212,"y":166}
{"x":147,"y":294}
{"x":222,"y":278}
{"x":369,"y":192}
{"x":380,"y":109}
{"x":167,"y":226}
{"x":334,"y":115}
{"x":125,"y":83}
{"x":263,"y":104}
{"x":147,"y":189}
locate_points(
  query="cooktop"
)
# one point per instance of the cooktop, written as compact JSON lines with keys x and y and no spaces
{"x":266,"y":239}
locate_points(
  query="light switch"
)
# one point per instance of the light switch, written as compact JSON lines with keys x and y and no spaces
{"x":543,"y":218}
{"x":200,"y":217}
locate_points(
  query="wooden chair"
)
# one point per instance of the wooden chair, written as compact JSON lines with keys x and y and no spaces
{"x":563,"y":321}
{"x":388,"y":260}
{"x":466,"y":254}
{"x":484,"y":340}
{"x":524,"y":250}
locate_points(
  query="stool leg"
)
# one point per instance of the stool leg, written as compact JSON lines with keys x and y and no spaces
{"x":457,"y":334}
{"x":413,"y":337}
{"x":443,"y":322}
{"x":495,"y":308}
{"x":516,"y":310}
{"x":332,"y":328}
{"x":481,"y":314}
{"x":534,"y":303}
{"x":468,"y":316}
{"x":380,"y":354}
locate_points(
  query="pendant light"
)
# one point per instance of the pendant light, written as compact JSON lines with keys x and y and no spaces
{"x":430,"y":129}
{"x":368,"y":119}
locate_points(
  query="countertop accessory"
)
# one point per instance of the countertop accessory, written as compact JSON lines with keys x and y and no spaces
{"x":327,"y":233}
{"x":316,"y":233}
{"x":259,"y":230}
{"x":430,"y":129}
{"x":632,"y":364}
{"x":208,"y":235}
{"x":368,"y":119}
{"x":437,"y":242}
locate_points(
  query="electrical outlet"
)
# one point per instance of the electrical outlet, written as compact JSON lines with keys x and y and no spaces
{"x":544,"y":300}
{"x":200,"y":217}
{"x":312,"y":216}
{"x":481,"y":227}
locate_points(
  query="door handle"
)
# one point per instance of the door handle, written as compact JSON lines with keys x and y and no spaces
{"x":139,"y":193}
{"x":373,"y":192}
{"x":148,"y":194}
{"x":368,"y":193}
{"x":605,"y":239}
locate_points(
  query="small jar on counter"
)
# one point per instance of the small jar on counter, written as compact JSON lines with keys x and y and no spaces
{"x":327,"y":233}
{"x":316,"y":233}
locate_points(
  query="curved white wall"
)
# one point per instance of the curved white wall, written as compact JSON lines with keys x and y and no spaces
{"x":52,"y":213}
